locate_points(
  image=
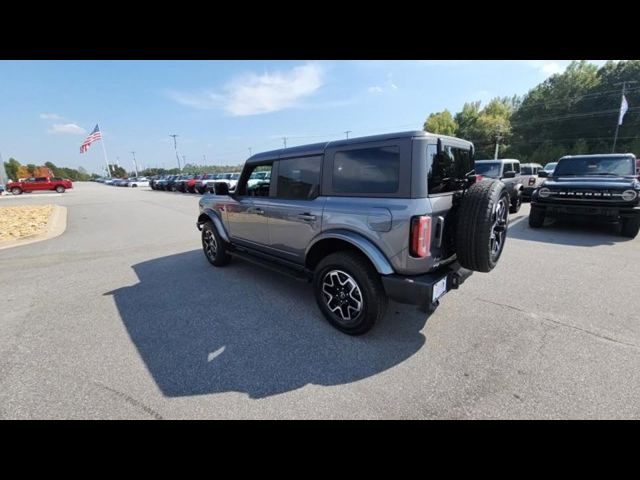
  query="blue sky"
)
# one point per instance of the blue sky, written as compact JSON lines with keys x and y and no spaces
{"x":220,"y":109}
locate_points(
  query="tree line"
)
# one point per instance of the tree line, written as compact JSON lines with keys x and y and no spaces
{"x":15,"y":170}
{"x":574,"y":112}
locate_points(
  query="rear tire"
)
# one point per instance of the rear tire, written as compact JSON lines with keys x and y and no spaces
{"x":483,"y":220}
{"x":630,"y":227}
{"x":213,"y":246}
{"x":349,"y":292}
{"x":16,"y":190}
{"x":536,"y":217}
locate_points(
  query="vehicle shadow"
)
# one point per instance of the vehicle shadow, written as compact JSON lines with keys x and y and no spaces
{"x":567,"y":231}
{"x":243,"y":328}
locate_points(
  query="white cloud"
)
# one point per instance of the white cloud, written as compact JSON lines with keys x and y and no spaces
{"x":374,"y":89}
{"x":393,"y":86}
{"x":50,"y":116}
{"x":67,"y":128}
{"x":551,"y":68}
{"x":254,"y":94}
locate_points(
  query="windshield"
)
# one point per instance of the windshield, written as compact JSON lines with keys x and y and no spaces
{"x":235,"y":176}
{"x":488,"y":169}
{"x":550,"y":166}
{"x":595,"y":166}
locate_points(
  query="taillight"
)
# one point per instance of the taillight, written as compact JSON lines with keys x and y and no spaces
{"x":479,"y":178}
{"x":420,"y":236}
{"x":532,"y":181}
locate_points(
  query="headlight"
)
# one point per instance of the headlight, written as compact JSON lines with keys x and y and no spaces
{"x":544,"y":192}
{"x":629,"y":195}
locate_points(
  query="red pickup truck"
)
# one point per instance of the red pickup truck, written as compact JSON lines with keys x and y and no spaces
{"x":39,"y":183}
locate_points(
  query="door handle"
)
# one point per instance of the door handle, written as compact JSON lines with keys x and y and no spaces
{"x":307,"y":217}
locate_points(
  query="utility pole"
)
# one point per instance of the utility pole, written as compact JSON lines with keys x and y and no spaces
{"x":624,"y":90}
{"x":284,"y":139}
{"x":348,"y":132}
{"x":175,"y":146}
{"x":498,"y":138}
{"x":204,"y":159}
{"x":135,"y":165}
{"x":184,"y":161}
{"x":249,"y":151}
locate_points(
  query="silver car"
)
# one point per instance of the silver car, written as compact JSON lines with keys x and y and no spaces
{"x":397,"y":216}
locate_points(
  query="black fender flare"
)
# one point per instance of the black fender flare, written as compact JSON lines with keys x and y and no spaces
{"x":366,"y":246}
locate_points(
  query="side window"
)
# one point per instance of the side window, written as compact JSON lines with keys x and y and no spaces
{"x":299,"y":178}
{"x":447,"y":171}
{"x":516,"y":167}
{"x":258,"y":183}
{"x":508,"y":167}
{"x":41,"y":179}
{"x":366,"y":170}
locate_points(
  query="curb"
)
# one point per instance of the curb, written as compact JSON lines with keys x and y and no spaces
{"x":56,"y":226}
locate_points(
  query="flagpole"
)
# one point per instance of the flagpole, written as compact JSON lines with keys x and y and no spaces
{"x":104,"y":150}
{"x":622,"y":99}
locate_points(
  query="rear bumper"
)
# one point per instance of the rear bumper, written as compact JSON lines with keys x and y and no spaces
{"x":606,"y":211}
{"x":418,"y":290}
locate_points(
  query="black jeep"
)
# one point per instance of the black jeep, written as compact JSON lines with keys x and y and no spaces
{"x":595,"y":186}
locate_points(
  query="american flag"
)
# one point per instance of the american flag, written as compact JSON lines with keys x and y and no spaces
{"x":95,"y":135}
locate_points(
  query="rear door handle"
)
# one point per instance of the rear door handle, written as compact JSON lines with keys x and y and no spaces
{"x":307,"y":217}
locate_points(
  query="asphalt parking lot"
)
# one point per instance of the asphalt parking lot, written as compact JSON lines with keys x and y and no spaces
{"x":122,"y":317}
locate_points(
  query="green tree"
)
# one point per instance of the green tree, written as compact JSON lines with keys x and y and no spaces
{"x":117,"y":171}
{"x":441,"y":122}
{"x":11,"y":167}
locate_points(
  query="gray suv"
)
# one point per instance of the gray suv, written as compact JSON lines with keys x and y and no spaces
{"x":397,"y":216}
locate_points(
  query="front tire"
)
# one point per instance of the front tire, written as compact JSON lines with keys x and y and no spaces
{"x":630,"y":227}
{"x":516,"y":203}
{"x":213,"y":246}
{"x":16,"y":190}
{"x":60,"y":189}
{"x":536,"y":217}
{"x":349,"y":292}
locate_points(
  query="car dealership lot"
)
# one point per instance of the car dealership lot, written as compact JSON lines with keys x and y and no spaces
{"x":123,"y":317}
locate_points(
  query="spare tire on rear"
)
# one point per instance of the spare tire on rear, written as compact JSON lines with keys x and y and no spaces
{"x":483,"y":219}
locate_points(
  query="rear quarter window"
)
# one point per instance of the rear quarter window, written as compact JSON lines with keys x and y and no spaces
{"x":374,"y":170}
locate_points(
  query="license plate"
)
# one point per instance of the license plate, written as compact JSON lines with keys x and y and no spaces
{"x":439,"y":289}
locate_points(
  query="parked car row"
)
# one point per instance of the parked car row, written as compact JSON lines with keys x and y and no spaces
{"x":193,"y":183}
{"x":132,"y":182}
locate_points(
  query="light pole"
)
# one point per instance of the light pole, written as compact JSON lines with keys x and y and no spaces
{"x":249,"y":151}
{"x":348,"y":132}
{"x":284,"y":139}
{"x":135,"y":165}
{"x":498,"y":138}
{"x":175,"y":146}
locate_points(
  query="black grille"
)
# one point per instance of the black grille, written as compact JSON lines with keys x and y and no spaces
{"x":586,"y":194}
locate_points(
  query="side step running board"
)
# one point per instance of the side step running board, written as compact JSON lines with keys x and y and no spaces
{"x":296,"y":273}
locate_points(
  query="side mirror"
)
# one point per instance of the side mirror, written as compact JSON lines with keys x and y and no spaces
{"x":221,"y":188}
{"x":509,"y":175}
{"x":543,"y":173}
{"x":472,"y":151}
{"x":439,"y":147}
